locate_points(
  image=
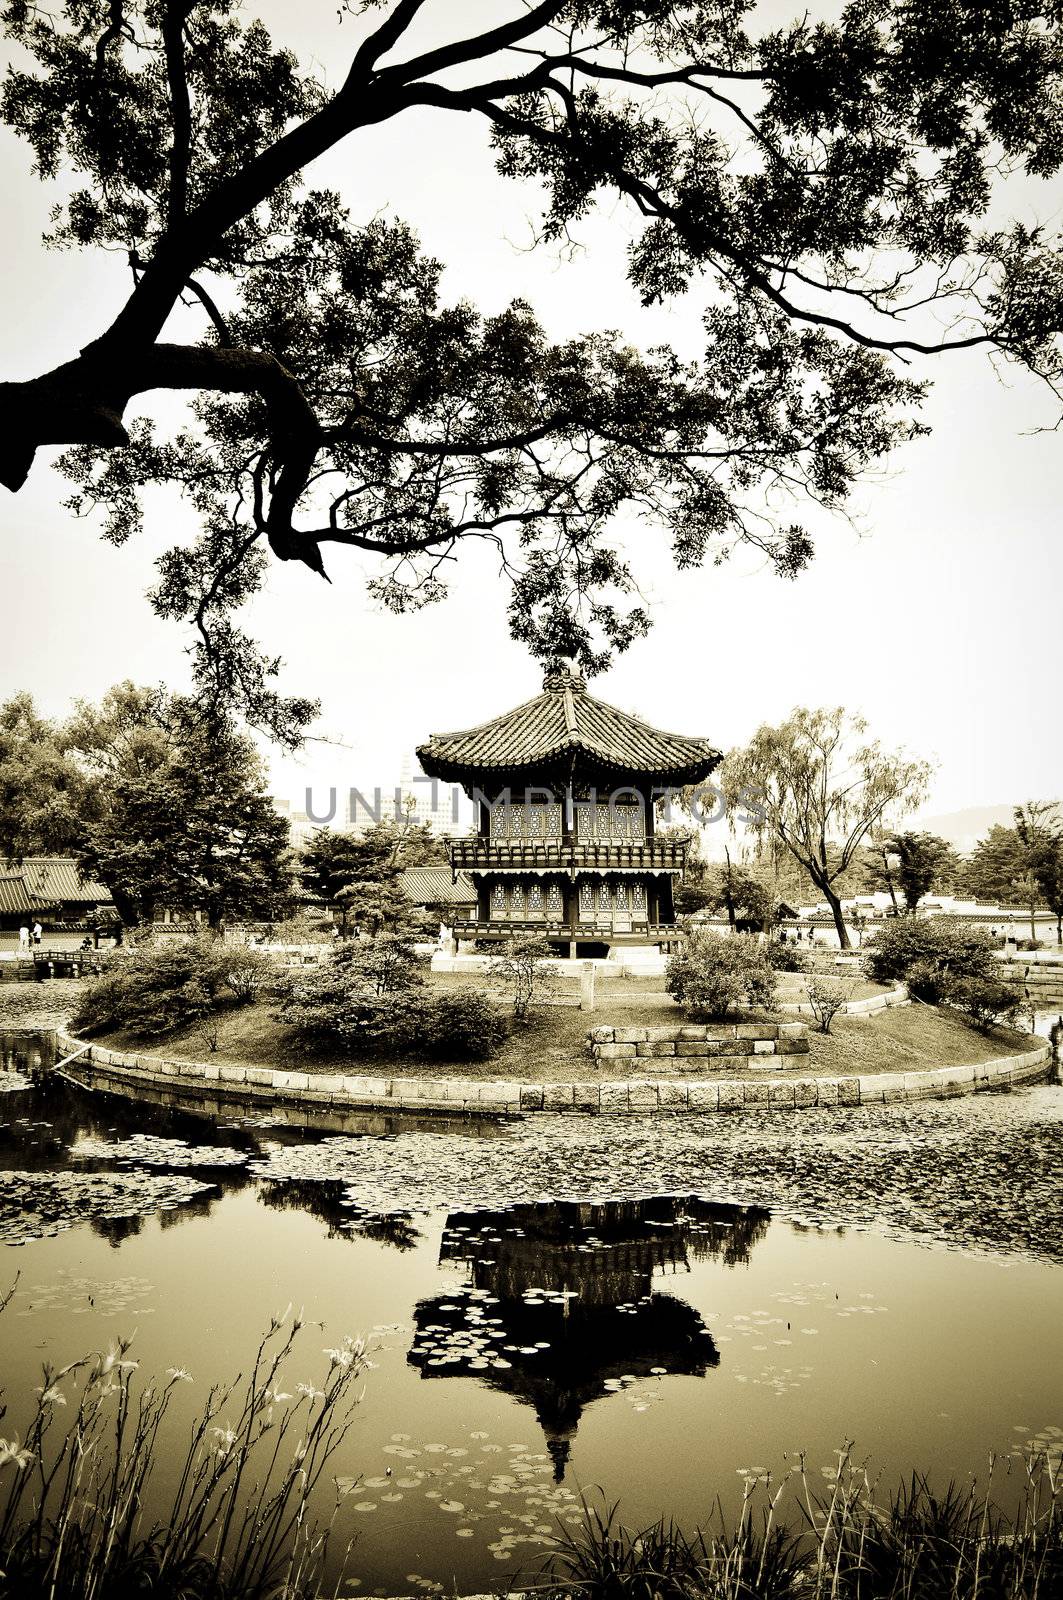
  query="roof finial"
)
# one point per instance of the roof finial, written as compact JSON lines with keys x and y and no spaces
{"x":563,"y":673}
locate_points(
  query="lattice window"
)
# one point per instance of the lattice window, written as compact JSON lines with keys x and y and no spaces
{"x":586,"y":898}
{"x":620,"y":897}
{"x":516,"y":822}
{"x":536,"y":822}
{"x":553,"y":900}
{"x":553,"y":820}
{"x":498,"y":900}
{"x":516,"y":901}
{"x":585,"y":820}
{"x":638,"y":898}
{"x":535,"y":900}
{"x":604,"y":897}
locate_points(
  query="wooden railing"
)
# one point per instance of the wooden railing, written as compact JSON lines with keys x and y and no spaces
{"x":584,"y":932}
{"x":668,"y":855}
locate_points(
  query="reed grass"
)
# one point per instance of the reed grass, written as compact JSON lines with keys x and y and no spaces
{"x":74,"y":1491}
{"x":793,"y":1543}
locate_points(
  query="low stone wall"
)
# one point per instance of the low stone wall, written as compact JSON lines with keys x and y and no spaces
{"x":315,"y":1099}
{"x":717,"y":1046}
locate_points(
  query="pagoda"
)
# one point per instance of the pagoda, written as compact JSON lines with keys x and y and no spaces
{"x":564,"y":789}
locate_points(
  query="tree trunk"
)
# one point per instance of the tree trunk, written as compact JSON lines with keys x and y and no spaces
{"x":839,"y":920}
{"x":1033,"y":924}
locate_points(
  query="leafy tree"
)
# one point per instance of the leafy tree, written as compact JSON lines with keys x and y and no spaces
{"x":914,"y":863}
{"x":1040,"y":833}
{"x":1025,"y":861}
{"x":198,"y":831}
{"x":821,"y":788}
{"x":42,"y":788}
{"x":357,"y":874}
{"x":827,"y":187}
{"x":738,"y":891}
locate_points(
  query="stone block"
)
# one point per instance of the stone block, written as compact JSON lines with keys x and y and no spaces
{"x":693,"y":1030}
{"x":732,"y":1095}
{"x":213,"y":1074}
{"x":235,"y":1075}
{"x":672,"y":1096}
{"x":531,"y":1097}
{"x":459,"y":1090}
{"x":585,"y":1096}
{"x":848,"y":1091}
{"x":261,"y":1076}
{"x":600,"y":1035}
{"x":781,"y":1094}
{"x":804,"y":1093}
{"x":763,"y":1047}
{"x":502,"y":1092}
{"x":630,"y":1035}
{"x":793,"y":1030}
{"x":922,"y":1085}
{"x":558,"y":1096}
{"x":827,"y":1091}
{"x":616,"y":1052}
{"x":791,"y":1047}
{"x":613,"y":1096}
{"x":756,"y":1094}
{"x":360,"y":1088}
{"x":642,"y":1096}
{"x":692,"y":1047}
{"x":703,"y":1096}
{"x":298,"y":1080}
{"x":656,"y":1047}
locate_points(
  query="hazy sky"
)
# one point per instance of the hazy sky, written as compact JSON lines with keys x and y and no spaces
{"x":938,"y":617}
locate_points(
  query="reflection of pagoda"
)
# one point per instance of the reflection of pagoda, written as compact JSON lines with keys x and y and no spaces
{"x":559,"y":1308}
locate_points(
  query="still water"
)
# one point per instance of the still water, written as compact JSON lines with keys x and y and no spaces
{"x":645,"y":1310}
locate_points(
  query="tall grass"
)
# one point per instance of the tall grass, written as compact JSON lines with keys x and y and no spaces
{"x":74,"y":1492}
{"x":919,"y":1544}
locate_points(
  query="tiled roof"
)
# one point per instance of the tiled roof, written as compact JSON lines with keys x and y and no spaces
{"x":51,"y":880}
{"x":14,"y":899}
{"x":434,"y":886}
{"x":564,"y":720}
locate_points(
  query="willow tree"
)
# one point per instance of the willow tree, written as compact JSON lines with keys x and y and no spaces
{"x":820,"y":786}
{"x":830,"y":193}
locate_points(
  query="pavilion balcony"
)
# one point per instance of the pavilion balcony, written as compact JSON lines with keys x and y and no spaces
{"x":602,"y":932}
{"x":587,"y":855}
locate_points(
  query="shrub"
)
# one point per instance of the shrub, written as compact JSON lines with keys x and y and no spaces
{"x":448,"y":1027}
{"x":786,"y":957}
{"x":928,"y":954}
{"x":346,"y":999}
{"x":245,"y":971}
{"x":520,"y":972}
{"x":985,"y":1001}
{"x":827,"y":998}
{"x":715,"y":973}
{"x":154,"y":988}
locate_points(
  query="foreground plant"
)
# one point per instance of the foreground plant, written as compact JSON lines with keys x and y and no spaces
{"x":74,"y":1492}
{"x":920,"y":1545}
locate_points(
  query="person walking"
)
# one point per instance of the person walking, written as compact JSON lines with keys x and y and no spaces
{"x":37,"y":932}
{"x":24,"y":937}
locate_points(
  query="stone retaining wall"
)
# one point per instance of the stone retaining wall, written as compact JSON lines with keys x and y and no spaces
{"x":315,"y":1095}
{"x":696,"y":1046}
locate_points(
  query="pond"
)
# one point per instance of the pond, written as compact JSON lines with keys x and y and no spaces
{"x":644,"y":1310}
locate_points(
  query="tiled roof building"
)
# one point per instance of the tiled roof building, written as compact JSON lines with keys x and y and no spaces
{"x":564,"y":788}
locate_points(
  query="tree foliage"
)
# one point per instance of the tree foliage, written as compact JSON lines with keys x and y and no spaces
{"x":913,"y":863}
{"x":713,"y":974}
{"x":821,"y":787}
{"x":1024,"y":862}
{"x":826,"y":189}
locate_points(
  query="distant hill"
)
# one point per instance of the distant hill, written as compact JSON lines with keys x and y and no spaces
{"x":963,"y":829}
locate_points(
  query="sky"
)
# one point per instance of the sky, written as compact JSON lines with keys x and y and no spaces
{"x":935,"y":612}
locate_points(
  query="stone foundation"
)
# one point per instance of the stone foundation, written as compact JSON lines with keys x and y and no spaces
{"x":320,"y":1100}
{"x":700,"y":1047}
